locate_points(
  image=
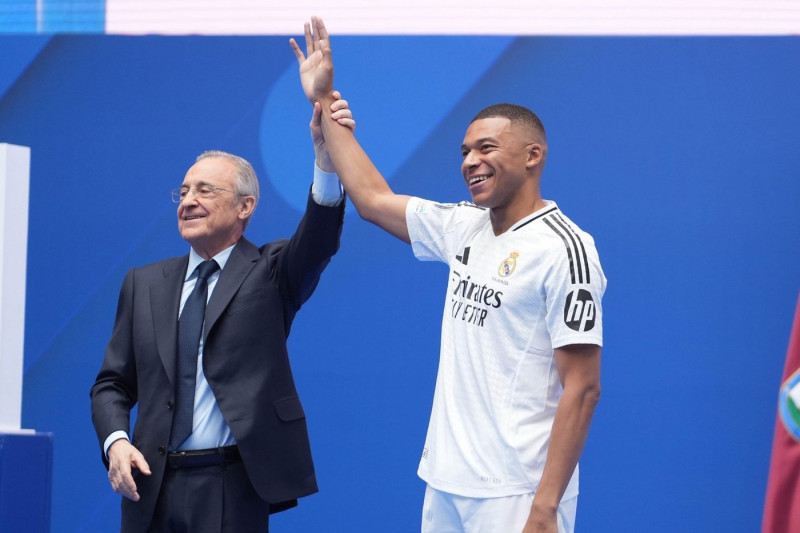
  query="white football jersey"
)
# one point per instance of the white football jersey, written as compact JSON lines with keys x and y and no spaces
{"x":511,"y":299}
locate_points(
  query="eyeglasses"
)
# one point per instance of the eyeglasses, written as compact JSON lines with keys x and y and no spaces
{"x":204,"y":191}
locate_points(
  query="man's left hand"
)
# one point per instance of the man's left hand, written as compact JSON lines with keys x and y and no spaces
{"x":341,"y":113}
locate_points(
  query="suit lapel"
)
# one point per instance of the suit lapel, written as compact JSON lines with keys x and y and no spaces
{"x":242,"y":260}
{"x":165,"y":298}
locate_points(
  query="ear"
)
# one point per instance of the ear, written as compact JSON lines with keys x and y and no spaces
{"x":535,"y":155}
{"x":247,"y":205}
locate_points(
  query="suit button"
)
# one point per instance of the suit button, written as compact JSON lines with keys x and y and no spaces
{"x":162,"y":450}
{"x":170,"y":405}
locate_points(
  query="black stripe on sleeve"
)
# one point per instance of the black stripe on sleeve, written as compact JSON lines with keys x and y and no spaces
{"x":582,"y":251}
{"x":566,"y":244}
{"x":578,"y":256}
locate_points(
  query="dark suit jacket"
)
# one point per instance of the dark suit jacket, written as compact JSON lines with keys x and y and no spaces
{"x":245,"y":360}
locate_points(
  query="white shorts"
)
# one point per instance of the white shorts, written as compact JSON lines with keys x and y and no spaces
{"x":443,"y":512}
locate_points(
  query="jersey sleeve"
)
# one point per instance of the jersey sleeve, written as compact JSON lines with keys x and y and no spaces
{"x":432,"y":229}
{"x":574,"y":285}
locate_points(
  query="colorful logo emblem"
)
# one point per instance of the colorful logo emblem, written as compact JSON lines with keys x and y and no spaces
{"x":508,"y":265}
{"x":789,"y":401}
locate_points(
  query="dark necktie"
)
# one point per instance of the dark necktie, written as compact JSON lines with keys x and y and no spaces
{"x":190,"y":327}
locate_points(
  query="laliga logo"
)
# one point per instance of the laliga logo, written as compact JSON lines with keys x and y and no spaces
{"x":788,"y":405}
{"x":580,"y":311}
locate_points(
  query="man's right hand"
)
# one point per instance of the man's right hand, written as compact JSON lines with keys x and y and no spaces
{"x":342,"y":115}
{"x":316,"y":70}
{"x":122,"y":456}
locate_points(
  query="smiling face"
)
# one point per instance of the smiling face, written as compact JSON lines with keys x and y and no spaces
{"x":212,"y":224}
{"x":502,"y":162}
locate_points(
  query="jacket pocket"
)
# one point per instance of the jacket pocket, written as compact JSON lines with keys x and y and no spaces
{"x":289,"y":409}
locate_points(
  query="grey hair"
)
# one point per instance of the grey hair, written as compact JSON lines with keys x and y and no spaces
{"x":246,"y":179}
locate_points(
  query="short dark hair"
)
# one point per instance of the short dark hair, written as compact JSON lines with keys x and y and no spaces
{"x":515,"y":113}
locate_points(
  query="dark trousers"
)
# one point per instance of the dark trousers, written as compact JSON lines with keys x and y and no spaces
{"x":209,"y":499}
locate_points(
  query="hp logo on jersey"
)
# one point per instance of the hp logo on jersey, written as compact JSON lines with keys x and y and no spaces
{"x":580,"y":311}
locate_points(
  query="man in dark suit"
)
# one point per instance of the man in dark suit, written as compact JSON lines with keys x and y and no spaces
{"x":220,"y":439}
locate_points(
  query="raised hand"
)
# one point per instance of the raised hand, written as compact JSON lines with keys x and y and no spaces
{"x":316,"y":70}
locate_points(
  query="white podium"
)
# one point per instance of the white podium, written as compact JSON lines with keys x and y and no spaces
{"x":26,"y":457}
{"x":14,"y":181}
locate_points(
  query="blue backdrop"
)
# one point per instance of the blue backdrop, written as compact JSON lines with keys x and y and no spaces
{"x":675,"y":153}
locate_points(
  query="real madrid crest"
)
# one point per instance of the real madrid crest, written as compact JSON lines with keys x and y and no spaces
{"x":508,"y":265}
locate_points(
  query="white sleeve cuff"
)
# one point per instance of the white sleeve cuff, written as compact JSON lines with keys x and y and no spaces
{"x":326,"y":189}
{"x":112,"y":438}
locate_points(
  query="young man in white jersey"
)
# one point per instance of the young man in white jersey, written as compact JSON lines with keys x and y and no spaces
{"x":519,"y":371}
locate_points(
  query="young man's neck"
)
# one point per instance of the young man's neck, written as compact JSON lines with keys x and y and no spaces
{"x":503,"y":218}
